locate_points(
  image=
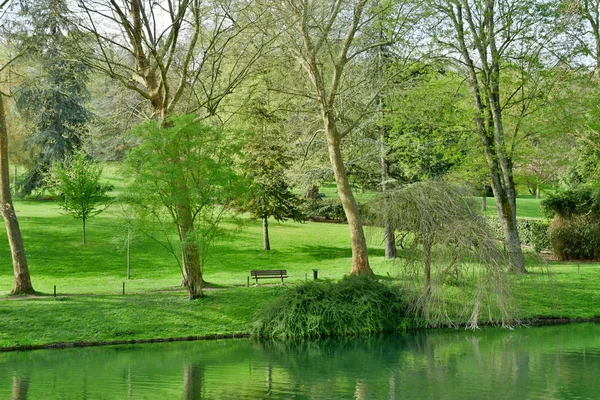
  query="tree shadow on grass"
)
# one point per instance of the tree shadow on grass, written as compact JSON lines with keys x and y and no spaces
{"x":324,"y":252}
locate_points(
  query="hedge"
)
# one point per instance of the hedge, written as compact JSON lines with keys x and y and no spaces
{"x":532,"y":232}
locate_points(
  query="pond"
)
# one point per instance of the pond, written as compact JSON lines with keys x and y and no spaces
{"x":555,"y":362}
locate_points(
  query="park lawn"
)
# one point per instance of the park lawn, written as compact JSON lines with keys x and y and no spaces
{"x":89,"y":280}
{"x":527,"y":207}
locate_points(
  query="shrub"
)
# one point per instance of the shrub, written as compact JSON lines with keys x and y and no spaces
{"x":576,"y":238}
{"x":328,"y":210}
{"x":532,"y":232}
{"x":577,"y":201}
{"x":356,"y":305}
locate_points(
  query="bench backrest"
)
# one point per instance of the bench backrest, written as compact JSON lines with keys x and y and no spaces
{"x":268,"y":272}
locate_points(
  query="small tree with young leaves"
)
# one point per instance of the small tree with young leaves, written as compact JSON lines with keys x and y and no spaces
{"x":270,"y":195}
{"x":76,"y":180}
{"x":183,"y":177}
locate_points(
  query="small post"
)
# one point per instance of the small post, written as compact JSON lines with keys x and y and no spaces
{"x":123,"y":288}
{"x":248,"y":283}
{"x":128,"y":251}
{"x":54,"y":290}
{"x":315,"y":274}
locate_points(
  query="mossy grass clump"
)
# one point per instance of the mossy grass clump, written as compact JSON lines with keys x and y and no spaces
{"x":355,"y":305}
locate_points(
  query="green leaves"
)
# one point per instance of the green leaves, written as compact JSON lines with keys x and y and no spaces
{"x":76,"y":180}
{"x":184,"y":161}
{"x":270,"y":195}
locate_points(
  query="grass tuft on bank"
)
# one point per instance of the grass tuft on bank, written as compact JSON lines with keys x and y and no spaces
{"x":354,"y":305}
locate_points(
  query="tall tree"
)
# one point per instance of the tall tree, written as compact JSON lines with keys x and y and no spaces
{"x":22,"y":282}
{"x":163,"y":52}
{"x":485,"y":35}
{"x":331,"y":36}
{"x":54,"y":95}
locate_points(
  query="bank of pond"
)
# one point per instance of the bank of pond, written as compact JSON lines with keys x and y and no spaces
{"x":550,"y":362}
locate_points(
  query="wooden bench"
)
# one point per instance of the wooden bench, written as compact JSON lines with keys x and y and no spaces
{"x":268,"y":273}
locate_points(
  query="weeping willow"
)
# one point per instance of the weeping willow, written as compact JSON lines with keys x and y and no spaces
{"x":453,"y":270}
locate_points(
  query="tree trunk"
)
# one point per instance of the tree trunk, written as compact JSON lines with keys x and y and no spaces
{"x":484,"y":200}
{"x":360,"y":257}
{"x":22,"y":283}
{"x":266,"y":243}
{"x":83,"y":229}
{"x":508,"y":220}
{"x":388,"y":231}
{"x":191,"y":270}
{"x":427,"y":266}
{"x":537,"y":192}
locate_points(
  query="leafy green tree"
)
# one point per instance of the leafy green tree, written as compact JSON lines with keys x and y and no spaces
{"x":183,"y":175}
{"x":475,"y":33}
{"x":330,"y":40}
{"x":428,"y":138}
{"x":270,"y":195}
{"x":76,"y":180}
{"x":54,"y":96}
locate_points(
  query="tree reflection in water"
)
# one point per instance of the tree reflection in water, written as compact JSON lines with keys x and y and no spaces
{"x":193,"y":377}
{"x":20,"y":387}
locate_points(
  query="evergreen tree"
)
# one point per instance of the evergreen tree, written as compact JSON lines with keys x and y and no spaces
{"x":270,"y":194}
{"x":54,"y":96}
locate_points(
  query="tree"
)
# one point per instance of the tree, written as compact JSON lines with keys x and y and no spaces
{"x":53,"y":96}
{"x":333,"y":35}
{"x":485,"y":36}
{"x":22,"y":282}
{"x":269,"y":194}
{"x":447,"y":232}
{"x":168,"y":53}
{"x":77,"y":182}
{"x":185,"y":169}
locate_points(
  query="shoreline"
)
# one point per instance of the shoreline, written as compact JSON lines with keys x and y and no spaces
{"x":540,"y":321}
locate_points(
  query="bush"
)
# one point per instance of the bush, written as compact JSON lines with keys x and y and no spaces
{"x":576,"y":238}
{"x":328,"y":210}
{"x":577,"y":201}
{"x":356,"y":305}
{"x":532,"y":232}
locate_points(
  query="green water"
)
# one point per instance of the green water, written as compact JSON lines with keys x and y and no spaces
{"x":560,"y":362}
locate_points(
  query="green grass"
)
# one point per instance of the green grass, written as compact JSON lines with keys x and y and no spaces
{"x":527,"y":206}
{"x":89,"y":279}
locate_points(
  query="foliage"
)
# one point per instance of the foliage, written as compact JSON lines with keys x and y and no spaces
{"x":184,"y":163}
{"x":575,"y":229}
{"x":426,"y":138}
{"x":270,"y":195}
{"x":450,"y":243}
{"x":532,"y":232}
{"x":54,"y":95}
{"x":355,"y":305}
{"x":575,"y":238}
{"x":77,"y":182}
{"x":324,"y":210}
{"x":566,"y":203}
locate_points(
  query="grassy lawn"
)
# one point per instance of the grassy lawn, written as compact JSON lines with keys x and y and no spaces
{"x":90,"y":307}
{"x":527,"y":206}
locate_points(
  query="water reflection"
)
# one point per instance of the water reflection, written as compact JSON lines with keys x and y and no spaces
{"x":550,"y":363}
{"x":20,"y":386}
{"x":193,"y":375}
